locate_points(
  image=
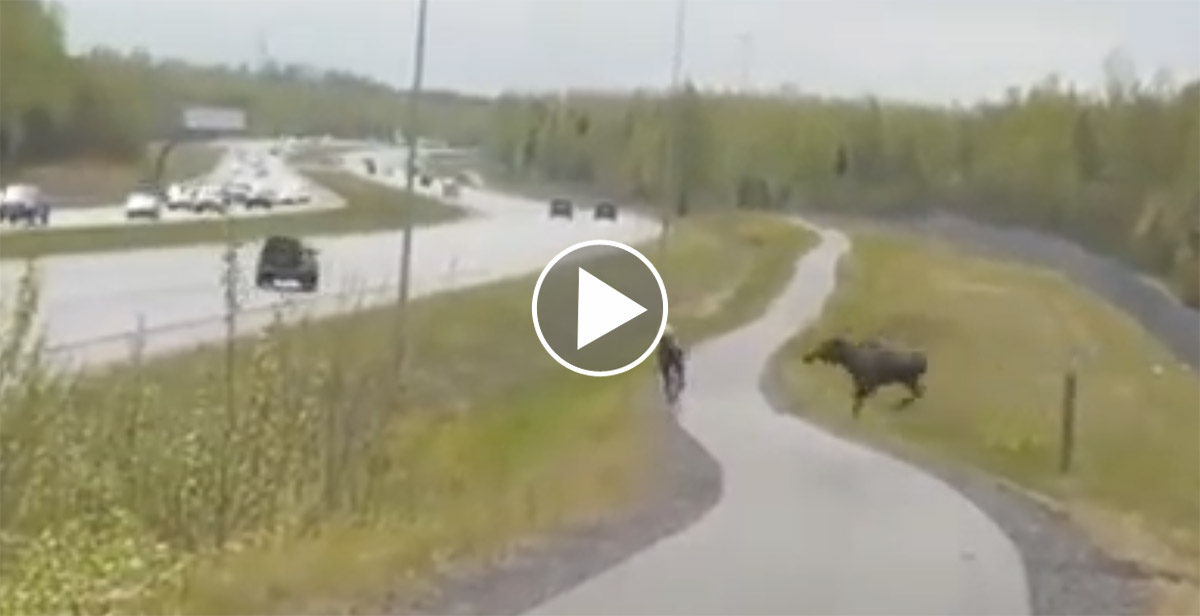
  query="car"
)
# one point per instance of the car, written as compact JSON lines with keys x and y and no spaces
{"x":287,"y":258}
{"x":209,"y":198}
{"x":144,"y":202}
{"x":262,"y":196}
{"x":180,"y":196}
{"x":465,"y":179}
{"x":235,"y":193}
{"x":294,"y":193}
{"x":561,"y":208}
{"x":605,"y":210}
{"x":24,"y":203}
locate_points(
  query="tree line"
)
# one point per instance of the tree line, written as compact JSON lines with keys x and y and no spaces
{"x":1118,"y":172}
{"x":109,"y":104}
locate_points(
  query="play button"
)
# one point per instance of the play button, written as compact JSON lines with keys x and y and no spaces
{"x":599,"y":308}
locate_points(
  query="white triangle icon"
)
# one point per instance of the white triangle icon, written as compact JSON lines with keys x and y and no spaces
{"x":601,"y":309}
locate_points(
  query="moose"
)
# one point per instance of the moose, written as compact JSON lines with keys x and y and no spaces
{"x":872,"y":365}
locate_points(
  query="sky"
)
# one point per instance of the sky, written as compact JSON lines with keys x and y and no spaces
{"x":919,"y":50}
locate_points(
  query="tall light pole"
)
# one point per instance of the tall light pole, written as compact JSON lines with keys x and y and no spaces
{"x":670,"y":162}
{"x":414,"y":95}
{"x":746,"y":44}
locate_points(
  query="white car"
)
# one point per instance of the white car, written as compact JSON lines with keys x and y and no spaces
{"x":261,"y":195}
{"x":209,"y":198}
{"x":144,"y":203}
{"x":180,"y":196}
{"x":294,"y":193}
{"x":24,"y":203}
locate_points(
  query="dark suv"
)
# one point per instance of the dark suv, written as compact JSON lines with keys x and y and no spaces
{"x":561,"y":208}
{"x":605,"y":209}
{"x":287,"y":258}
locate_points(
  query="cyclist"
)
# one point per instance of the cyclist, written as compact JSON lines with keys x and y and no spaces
{"x":670,"y":360}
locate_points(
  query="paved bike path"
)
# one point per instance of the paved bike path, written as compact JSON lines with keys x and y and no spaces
{"x":807,"y":523}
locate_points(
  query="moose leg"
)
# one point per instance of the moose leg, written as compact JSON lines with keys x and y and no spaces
{"x":861,"y":392}
{"x":915,"y":389}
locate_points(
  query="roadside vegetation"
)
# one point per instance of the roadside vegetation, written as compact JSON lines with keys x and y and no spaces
{"x":298,"y":474}
{"x":1118,"y":172}
{"x":999,"y":339}
{"x":99,"y":109}
{"x":89,"y":183}
{"x":369,"y":206}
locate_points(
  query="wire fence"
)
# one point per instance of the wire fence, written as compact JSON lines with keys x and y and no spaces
{"x":143,"y":340}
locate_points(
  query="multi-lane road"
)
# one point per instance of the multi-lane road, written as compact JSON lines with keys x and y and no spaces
{"x":276,"y":173}
{"x":91,"y":303}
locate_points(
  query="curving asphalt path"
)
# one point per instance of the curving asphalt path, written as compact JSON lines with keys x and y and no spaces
{"x":807,"y":523}
{"x":91,"y":304}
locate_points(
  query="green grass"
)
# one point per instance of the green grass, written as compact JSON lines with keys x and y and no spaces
{"x":998,"y":337}
{"x":369,"y":207}
{"x":86,"y":183}
{"x":326,"y":484}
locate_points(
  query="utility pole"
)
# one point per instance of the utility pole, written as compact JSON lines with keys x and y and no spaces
{"x":414,"y":95}
{"x":264,"y":56}
{"x":670,"y":162}
{"x":746,"y":44}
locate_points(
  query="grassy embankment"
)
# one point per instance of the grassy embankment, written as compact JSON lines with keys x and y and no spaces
{"x":999,"y":337}
{"x":315,"y":482}
{"x":369,"y":207}
{"x":97,"y":182}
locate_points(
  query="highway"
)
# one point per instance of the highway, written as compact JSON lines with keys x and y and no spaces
{"x":277,"y":174}
{"x":91,"y":304}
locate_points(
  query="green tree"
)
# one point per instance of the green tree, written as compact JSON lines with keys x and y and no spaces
{"x":1118,"y":174}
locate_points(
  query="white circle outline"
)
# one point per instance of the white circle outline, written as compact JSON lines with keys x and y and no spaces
{"x":537,"y":290}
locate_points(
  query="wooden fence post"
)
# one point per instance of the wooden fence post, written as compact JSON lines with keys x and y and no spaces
{"x":138,"y":346}
{"x":1066,"y":451}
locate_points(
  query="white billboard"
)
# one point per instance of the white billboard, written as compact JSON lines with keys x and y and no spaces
{"x":225,"y":119}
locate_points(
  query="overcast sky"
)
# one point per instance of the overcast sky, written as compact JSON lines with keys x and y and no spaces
{"x":914,"y":49}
